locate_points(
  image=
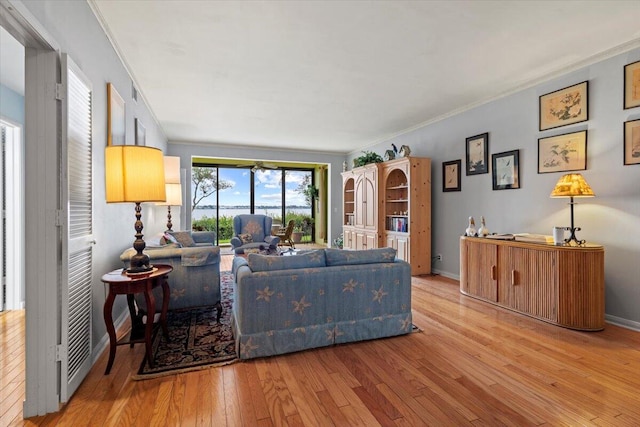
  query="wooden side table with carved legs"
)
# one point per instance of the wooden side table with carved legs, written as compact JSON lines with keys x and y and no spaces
{"x":122,"y":284}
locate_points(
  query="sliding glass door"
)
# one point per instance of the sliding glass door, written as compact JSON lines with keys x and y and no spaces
{"x":221,"y":192}
{"x":297,"y":206}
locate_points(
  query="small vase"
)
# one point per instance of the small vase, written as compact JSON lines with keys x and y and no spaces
{"x":483,"y":231}
{"x":471,"y":229}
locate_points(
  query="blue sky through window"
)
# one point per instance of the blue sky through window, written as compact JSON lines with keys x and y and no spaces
{"x":267,"y":188}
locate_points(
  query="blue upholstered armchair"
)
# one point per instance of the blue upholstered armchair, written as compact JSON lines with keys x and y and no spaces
{"x":252,"y":231}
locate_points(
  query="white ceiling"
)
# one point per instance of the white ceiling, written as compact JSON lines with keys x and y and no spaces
{"x":339,"y":76}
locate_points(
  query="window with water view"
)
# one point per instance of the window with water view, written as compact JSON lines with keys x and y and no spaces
{"x":222,"y":192}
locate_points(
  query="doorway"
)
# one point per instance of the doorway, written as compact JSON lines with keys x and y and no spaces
{"x":12,"y":81}
{"x":11,"y":190}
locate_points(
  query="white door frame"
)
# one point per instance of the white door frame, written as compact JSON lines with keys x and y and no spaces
{"x":42,"y":235}
{"x":14,"y":183}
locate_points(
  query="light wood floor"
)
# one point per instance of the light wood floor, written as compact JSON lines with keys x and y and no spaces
{"x":473,"y":364}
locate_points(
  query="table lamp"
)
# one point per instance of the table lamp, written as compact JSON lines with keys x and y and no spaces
{"x":572,"y":185}
{"x":135,"y":174}
{"x":172,"y":186}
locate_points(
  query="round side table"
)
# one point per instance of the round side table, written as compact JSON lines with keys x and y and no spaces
{"x":120,"y":283}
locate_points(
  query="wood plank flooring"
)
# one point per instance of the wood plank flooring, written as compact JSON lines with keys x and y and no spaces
{"x":473,"y":364}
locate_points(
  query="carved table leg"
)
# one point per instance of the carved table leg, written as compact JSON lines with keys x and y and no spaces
{"x":165,"y":306}
{"x":108,"y":321}
{"x":148,"y":330}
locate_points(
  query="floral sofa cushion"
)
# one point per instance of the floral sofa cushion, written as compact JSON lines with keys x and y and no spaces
{"x":371,"y":256}
{"x":311,"y":259}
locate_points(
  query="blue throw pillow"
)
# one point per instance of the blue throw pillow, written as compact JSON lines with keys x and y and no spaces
{"x":368,"y":256}
{"x":312,"y":259}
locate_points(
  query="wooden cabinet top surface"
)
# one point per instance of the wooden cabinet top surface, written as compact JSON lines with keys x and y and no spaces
{"x":536,"y":245}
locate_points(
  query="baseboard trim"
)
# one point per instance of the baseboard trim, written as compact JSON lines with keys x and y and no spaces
{"x":624,"y":323}
{"x":446,"y":274}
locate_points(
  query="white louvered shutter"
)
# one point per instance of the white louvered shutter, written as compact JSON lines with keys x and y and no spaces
{"x":77,"y":225}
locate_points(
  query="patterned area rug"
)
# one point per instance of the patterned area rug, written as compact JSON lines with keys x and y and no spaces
{"x":196,"y":341}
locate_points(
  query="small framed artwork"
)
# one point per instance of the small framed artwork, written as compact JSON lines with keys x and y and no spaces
{"x":506,"y":173}
{"x":632,"y":142}
{"x":632,"y":85}
{"x":561,"y":153}
{"x":140,"y":133}
{"x":477,"y":154}
{"x":116,"y":130}
{"x":564,"y":107}
{"x":451,"y":175}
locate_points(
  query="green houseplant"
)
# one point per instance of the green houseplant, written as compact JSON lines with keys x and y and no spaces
{"x":366,"y":158}
{"x":311,"y":192}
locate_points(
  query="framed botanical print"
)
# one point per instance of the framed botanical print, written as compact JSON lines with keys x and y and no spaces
{"x":451,"y":175}
{"x":632,"y":142}
{"x":116,"y":130}
{"x":562,"y":153}
{"x":505,"y":170}
{"x":477,"y":149}
{"x":565,"y":106}
{"x":632,"y":85}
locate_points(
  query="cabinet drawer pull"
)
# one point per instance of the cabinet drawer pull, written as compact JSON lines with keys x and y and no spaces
{"x":513,"y":277}
{"x":493,"y":272}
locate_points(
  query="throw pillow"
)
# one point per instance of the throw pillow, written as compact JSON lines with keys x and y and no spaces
{"x":246,"y":238}
{"x":168,"y":239}
{"x":368,"y":256}
{"x":183,"y":237}
{"x":311,"y":259}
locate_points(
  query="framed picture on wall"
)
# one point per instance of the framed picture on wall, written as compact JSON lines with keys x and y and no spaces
{"x":451,"y":175}
{"x":632,"y":85}
{"x":140,"y":133}
{"x":477,"y":149}
{"x":506,"y":173}
{"x":632,"y":142}
{"x":116,"y":131}
{"x":562,"y":153}
{"x":565,"y":106}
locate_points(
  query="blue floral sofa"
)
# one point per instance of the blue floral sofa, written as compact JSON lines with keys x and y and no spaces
{"x":195,"y":279}
{"x":284,"y":304}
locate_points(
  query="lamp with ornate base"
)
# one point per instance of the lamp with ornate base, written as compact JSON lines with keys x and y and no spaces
{"x":172,"y":185}
{"x":572,"y":185}
{"x":135,"y":174}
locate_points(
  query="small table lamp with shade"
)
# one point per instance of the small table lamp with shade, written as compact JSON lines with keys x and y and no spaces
{"x":572,"y":185}
{"x":172,"y":186}
{"x":135,"y":174}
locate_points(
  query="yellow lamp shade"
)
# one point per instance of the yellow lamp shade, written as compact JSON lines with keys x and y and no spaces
{"x":134,"y":174}
{"x":572,"y":185}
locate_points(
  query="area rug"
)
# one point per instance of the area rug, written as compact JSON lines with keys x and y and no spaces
{"x":196,"y":340}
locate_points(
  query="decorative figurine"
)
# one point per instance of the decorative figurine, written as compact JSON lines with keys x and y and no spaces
{"x":483,"y":231}
{"x":344,"y":166}
{"x":405,"y":151}
{"x":389,"y":155}
{"x":471,"y":229}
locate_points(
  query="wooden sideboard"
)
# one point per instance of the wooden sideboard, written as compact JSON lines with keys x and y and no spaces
{"x":563,"y":285}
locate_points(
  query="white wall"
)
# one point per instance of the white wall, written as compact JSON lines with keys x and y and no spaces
{"x":77,"y":31}
{"x":612,"y":218}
